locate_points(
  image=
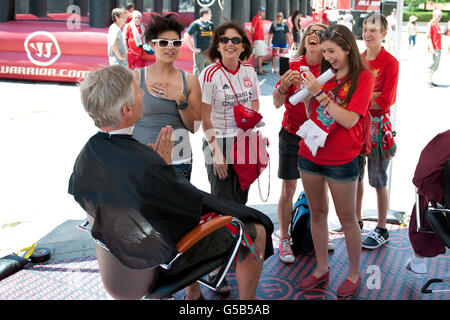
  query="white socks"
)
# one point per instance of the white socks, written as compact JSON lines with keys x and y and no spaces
{"x":416,"y":264}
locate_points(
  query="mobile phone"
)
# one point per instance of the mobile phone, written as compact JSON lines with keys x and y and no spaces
{"x":284,"y":65}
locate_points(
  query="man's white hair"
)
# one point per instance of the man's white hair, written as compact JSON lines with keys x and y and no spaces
{"x":437,"y":13}
{"x":135,"y":14}
{"x":105,"y":91}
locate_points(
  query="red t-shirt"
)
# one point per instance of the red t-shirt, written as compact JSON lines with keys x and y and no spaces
{"x":325,"y":18}
{"x":295,"y":116}
{"x":385,"y":68}
{"x":129,"y":17}
{"x":342,"y":145}
{"x":317,"y":16}
{"x":435,"y":35}
{"x":131,"y":42}
{"x":258,"y":24}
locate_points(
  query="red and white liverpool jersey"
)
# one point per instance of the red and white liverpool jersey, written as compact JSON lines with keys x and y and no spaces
{"x":217,"y":83}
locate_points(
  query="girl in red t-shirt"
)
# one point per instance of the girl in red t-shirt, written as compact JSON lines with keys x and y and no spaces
{"x":309,"y":55}
{"x":337,"y":111}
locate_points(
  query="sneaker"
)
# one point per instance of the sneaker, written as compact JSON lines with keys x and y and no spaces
{"x":376,"y":238}
{"x":330,"y":245}
{"x":285,"y":251}
{"x":416,"y":267}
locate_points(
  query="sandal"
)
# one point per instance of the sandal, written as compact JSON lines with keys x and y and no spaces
{"x":224,"y":288}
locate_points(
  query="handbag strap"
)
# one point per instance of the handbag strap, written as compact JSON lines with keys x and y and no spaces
{"x":231,"y":85}
{"x":257,"y":171}
{"x":259,"y":185}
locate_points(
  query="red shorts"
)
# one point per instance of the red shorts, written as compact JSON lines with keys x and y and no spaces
{"x":134,"y":61}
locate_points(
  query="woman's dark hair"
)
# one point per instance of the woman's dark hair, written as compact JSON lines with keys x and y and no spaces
{"x":214,"y":54}
{"x":160,"y":24}
{"x":294,"y":15}
{"x":346,"y":40}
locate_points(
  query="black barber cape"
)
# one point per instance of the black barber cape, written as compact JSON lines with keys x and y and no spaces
{"x":141,"y":205}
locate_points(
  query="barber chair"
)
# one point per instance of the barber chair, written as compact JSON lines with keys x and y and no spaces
{"x":438,"y":216}
{"x":162,"y":285}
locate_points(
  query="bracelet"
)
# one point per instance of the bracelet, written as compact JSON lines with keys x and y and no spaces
{"x":320,"y":92}
{"x":322,"y":100}
{"x":281,"y":91}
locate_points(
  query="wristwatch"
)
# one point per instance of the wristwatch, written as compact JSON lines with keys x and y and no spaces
{"x":183,"y":105}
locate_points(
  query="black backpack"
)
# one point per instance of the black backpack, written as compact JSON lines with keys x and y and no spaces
{"x":299,"y":228}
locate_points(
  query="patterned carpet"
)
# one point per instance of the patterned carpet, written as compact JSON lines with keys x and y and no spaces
{"x":384,"y":276}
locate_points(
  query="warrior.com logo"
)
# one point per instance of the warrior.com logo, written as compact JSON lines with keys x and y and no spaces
{"x":42,"y":50}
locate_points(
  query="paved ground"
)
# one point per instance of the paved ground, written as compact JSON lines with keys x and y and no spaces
{"x":44,"y":127}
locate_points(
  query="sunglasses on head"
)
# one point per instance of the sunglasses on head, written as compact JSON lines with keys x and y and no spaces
{"x":234,"y":40}
{"x":329,"y":34}
{"x":312,"y":31}
{"x":163,"y":43}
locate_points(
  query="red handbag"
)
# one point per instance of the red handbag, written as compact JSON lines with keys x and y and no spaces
{"x":249,"y":155}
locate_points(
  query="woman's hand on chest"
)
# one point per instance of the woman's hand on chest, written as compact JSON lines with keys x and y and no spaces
{"x":167,"y":90}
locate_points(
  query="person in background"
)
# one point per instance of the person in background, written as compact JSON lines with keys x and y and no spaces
{"x":348,"y":20}
{"x":172,"y":96}
{"x":412,"y":31}
{"x":386,"y":70}
{"x":222,"y":83}
{"x":333,"y":15}
{"x":310,"y":55}
{"x":317,"y":16}
{"x":259,"y":43}
{"x":130,"y":8}
{"x":117,"y":52}
{"x":434,"y":45}
{"x":202,"y":30}
{"x":447,"y":33}
{"x":391,"y":31}
{"x":134,"y":38}
{"x":279,"y":36}
{"x":296,"y":29}
{"x":325,"y":20}
{"x":336,"y":112}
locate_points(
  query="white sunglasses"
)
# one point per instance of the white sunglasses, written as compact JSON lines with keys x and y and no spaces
{"x":164,"y":43}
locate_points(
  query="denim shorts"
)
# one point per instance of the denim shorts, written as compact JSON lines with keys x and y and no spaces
{"x":280,"y":45}
{"x":343,"y":173}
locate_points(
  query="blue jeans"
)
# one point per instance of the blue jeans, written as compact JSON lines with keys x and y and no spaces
{"x":343,"y":173}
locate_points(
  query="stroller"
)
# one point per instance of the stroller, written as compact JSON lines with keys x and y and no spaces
{"x":429,"y":228}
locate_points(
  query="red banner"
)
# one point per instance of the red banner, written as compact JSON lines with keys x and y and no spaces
{"x":367,"y":5}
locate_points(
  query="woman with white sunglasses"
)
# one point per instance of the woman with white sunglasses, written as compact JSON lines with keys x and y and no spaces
{"x":172,"y":96}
